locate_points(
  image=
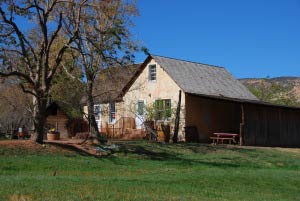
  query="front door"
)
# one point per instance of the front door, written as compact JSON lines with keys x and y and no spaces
{"x":140,"y":114}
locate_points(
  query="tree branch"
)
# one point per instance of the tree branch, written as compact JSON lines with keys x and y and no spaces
{"x":54,"y":35}
{"x":18,"y":74}
{"x":11,"y":50}
{"x":21,"y":37}
{"x":70,"y":75}
{"x":27,"y":91}
{"x":7,"y":34}
{"x":72,"y":38}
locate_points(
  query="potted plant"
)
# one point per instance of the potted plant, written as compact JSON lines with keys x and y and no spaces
{"x":53,"y":134}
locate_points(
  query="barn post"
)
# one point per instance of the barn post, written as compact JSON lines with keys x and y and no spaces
{"x":242,"y":125}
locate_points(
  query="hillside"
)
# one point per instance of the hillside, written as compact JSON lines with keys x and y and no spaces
{"x":280,"y":90}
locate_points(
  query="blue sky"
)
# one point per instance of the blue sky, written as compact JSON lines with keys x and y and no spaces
{"x":254,"y":38}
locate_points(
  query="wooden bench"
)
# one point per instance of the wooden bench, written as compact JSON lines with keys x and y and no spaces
{"x":221,"y":137}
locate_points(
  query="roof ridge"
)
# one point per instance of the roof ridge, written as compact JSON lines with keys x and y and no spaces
{"x":187,"y":61}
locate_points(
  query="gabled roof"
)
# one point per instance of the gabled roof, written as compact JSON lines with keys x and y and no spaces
{"x":199,"y":79}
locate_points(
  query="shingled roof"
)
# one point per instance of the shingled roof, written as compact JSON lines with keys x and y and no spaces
{"x":203,"y":79}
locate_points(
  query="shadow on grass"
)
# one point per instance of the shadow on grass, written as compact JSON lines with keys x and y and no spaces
{"x":168,"y":154}
{"x":71,"y":148}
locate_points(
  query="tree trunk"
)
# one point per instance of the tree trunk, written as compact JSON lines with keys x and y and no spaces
{"x":39,"y":116}
{"x":90,"y":104}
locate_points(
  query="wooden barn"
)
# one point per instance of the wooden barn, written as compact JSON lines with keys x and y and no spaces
{"x":270,"y":125}
{"x":257,"y":123}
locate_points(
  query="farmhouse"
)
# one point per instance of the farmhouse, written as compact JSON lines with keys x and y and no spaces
{"x":159,"y":80}
{"x":212,"y":101}
{"x":108,"y":103}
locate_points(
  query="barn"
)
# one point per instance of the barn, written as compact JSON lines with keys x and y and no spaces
{"x":257,"y":123}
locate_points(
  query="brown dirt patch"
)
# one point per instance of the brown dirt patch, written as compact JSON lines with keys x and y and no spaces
{"x":55,"y":147}
{"x":27,"y":145}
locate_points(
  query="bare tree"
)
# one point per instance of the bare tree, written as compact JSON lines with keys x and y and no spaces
{"x":27,"y":57}
{"x":15,"y":107}
{"x":104,"y":41}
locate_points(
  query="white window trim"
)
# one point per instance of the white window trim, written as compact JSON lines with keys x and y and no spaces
{"x":149,"y":75}
{"x":144,"y":111}
{"x":141,"y":117}
{"x":164,"y":109}
{"x":109,"y":113}
{"x":98,"y":121}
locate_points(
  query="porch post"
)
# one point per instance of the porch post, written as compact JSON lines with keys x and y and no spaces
{"x":177,"y":119}
{"x":242,"y":125}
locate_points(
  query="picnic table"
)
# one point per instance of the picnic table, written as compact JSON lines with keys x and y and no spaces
{"x":221,"y":137}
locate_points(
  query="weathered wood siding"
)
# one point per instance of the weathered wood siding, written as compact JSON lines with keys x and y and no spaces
{"x":212,"y":115}
{"x":60,"y":119}
{"x":271,"y":126}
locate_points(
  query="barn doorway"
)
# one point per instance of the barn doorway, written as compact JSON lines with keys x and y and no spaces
{"x":211,"y":115}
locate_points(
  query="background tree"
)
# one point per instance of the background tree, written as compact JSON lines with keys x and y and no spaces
{"x":15,"y":107}
{"x":68,"y":92}
{"x":67,"y":88}
{"x":27,"y":57}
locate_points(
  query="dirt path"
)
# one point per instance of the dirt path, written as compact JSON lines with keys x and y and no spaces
{"x":30,"y":145}
{"x":53,"y":147}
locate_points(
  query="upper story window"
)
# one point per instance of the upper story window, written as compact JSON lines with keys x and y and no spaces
{"x":152,"y":72}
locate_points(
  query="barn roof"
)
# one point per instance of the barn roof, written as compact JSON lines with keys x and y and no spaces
{"x":203,"y":79}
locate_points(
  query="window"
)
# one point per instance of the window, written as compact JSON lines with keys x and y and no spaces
{"x":162,"y":109}
{"x":140,"y":108}
{"x":112,"y":112}
{"x":97,"y":112}
{"x":96,"y":109}
{"x":152,"y":73}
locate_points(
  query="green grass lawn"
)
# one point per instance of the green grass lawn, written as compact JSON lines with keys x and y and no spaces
{"x":151,"y":171}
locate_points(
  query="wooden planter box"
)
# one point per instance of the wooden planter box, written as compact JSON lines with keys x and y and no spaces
{"x":53,"y":136}
{"x":164,"y":137}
